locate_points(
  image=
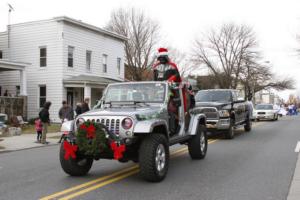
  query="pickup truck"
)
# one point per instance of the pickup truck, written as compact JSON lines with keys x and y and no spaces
{"x":224,"y":110}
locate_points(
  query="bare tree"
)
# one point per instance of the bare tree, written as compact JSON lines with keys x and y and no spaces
{"x":185,"y":66}
{"x":225,"y":51}
{"x":257,"y":77}
{"x":142,"y":33}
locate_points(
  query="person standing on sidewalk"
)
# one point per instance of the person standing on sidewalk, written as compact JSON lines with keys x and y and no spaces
{"x":38,"y":129}
{"x":45,"y":118}
{"x":85,"y":105}
{"x":66,"y":112}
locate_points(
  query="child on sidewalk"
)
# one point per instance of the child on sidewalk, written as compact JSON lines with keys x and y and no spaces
{"x":38,"y":128}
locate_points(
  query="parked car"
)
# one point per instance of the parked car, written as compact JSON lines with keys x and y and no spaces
{"x":138,"y":114}
{"x":224,"y":110}
{"x":266,"y":112}
{"x":3,"y":126}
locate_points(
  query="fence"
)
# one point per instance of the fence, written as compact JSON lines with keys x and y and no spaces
{"x":14,"y":106}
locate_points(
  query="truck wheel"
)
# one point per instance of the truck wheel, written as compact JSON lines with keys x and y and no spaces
{"x":154,"y":157}
{"x":74,"y":167}
{"x":229,"y":134}
{"x":248,"y":125}
{"x":197,"y":145}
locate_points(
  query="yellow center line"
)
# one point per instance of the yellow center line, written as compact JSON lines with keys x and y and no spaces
{"x":89,"y":183}
{"x":100,"y":185}
{"x":114,"y":176}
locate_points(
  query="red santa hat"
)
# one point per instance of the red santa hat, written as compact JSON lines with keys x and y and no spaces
{"x":162,"y":52}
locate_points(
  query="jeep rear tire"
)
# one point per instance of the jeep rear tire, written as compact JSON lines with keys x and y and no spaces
{"x":197,"y":145}
{"x":229,"y":134}
{"x":154,"y":157}
{"x":74,"y":167}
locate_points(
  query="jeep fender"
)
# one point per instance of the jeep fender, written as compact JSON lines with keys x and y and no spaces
{"x":67,"y":126}
{"x":147,"y":126}
{"x":196,"y":120}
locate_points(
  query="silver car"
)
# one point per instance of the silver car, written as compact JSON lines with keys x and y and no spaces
{"x":139,"y":114}
{"x":266,"y":112}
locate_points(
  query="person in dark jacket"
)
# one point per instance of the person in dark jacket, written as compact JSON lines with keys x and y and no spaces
{"x":45,"y":118}
{"x":85,"y":105}
{"x":66,"y":112}
{"x":78,"y":109}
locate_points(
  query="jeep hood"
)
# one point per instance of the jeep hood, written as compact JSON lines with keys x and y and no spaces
{"x":122,"y":111}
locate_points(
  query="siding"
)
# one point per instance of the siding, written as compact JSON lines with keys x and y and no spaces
{"x":25,"y":42}
{"x":83,"y":40}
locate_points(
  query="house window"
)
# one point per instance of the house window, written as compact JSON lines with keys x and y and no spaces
{"x":70,"y":56}
{"x":119,"y":65}
{"x":43,"y":56}
{"x":42,"y":95}
{"x":1,"y":54}
{"x":18,"y":90}
{"x":88,"y":60}
{"x":104,"y":63}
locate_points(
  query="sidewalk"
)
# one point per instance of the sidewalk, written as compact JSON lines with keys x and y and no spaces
{"x":294,"y":193}
{"x":26,"y":141}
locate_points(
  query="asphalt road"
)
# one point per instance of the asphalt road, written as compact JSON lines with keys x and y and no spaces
{"x":256,"y":165}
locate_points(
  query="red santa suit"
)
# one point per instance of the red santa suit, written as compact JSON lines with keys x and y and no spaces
{"x":167,"y":72}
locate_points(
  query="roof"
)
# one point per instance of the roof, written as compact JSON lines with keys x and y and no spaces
{"x":90,"y":27}
{"x":90,"y":79}
{"x":6,"y":65}
{"x":78,"y":23}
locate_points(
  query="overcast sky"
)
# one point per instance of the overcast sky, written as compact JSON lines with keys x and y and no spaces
{"x":276,"y":22}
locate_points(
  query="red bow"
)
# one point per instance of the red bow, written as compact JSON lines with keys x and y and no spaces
{"x":70,"y":150}
{"x":118,"y":150}
{"x":90,"y":130}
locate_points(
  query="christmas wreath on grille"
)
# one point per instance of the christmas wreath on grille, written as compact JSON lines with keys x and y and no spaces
{"x":93,"y":139}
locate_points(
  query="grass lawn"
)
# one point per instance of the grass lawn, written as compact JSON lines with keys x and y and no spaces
{"x":53,"y":128}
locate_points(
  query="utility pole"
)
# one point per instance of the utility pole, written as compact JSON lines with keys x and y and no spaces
{"x":10,"y":8}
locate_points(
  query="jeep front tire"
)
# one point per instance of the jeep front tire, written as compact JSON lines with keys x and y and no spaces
{"x":74,"y":167}
{"x":154,"y":157}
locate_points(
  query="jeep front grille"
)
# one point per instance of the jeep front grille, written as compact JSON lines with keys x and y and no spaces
{"x":112,"y":125}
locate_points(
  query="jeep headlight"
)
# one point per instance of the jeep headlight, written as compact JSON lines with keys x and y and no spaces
{"x":79,"y":122}
{"x":224,"y":113}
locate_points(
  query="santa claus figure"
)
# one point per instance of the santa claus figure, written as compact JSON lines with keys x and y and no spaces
{"x":164,"y":69}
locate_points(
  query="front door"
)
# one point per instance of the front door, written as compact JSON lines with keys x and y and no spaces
{"x":70,"y":98}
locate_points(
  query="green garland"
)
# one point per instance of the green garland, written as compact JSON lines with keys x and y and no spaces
{"x":91,"y":138}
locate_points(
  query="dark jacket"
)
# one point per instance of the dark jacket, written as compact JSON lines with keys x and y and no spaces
{"x":44,"y":113}
{"x":78,"y":110}
{"x":66,"y":113}
{"x":84,"y":107}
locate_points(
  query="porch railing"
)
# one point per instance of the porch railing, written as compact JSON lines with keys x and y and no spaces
{"x":14,"y":106}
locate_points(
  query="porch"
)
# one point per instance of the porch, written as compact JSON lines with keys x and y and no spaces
{"x":14,"y":104}
{"x":77,"y":88}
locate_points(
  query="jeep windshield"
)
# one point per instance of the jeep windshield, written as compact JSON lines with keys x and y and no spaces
{"x":135,"y":93}
{"x":213,"y":96}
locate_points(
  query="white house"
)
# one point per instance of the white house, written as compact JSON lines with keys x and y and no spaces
{"x":66,"y":59}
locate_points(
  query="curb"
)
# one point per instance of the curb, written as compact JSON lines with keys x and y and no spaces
{"x":294,"y":191}
{"x":9,"y":151}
